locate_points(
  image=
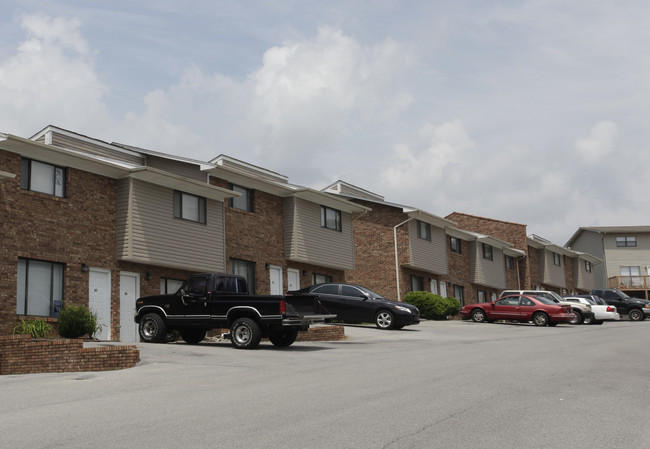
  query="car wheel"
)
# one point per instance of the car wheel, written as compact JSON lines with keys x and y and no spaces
{"x":540,"y":319}
{"x":152,"y":328}
{"x":283,"y":338}
{"x":636,"y":315}
{"x":245,"y":334}
{"x":478,"y":315}
{"x":193,"y":336}
{"x":384,"y":320}
{"x":578,"y":318}
{"x":588,"y":320}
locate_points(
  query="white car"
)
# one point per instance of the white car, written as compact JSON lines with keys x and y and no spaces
{"x":602,"y":310}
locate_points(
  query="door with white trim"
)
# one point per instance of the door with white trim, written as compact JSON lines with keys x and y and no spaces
{"x":129,"y":292}
{"x":99,"y":300}
{"x":275,"y":274}
{"x":293,"y":279}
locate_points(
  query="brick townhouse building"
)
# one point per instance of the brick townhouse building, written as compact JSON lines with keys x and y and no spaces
{"x":399,"y":249}
{"x":545,"y":265}
{"x":99,"y":224}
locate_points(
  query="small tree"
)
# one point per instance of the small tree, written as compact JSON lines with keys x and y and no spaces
{"x":433,"y":307}
{"x":77,"y":321}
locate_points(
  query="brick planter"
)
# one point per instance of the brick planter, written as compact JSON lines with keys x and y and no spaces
{"x":19,"y":354}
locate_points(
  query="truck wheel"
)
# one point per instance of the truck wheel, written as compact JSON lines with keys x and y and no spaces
{"x":578,"y":318}
{"x":245,"y":334}
{"x":283,"y":338}
{"x":384,"y":319}
{"x":193,"y":336}
{"x":636,"y":315}
{"x":152,"y":328}
{"x":540,"y":319}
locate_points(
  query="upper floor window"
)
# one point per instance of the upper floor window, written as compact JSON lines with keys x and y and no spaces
{"x":424,"y":230}
{"x":587,"y":266}
{"x":557,"y":260}
{"x":626,"y":241}
{"x":243,"y":202}
{"x":510,"y":262}
{"x":487,"y":252}
{"x":40,"y":288}
{"x":454,"y":243}
{"x":330,"y":218}
{"x":189,"y":207}
{"x":42,"y":177}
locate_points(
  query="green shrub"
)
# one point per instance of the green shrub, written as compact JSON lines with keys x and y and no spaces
{"x":433,"y":307}
{"x":35,"y":328}
{"x":77,"y":321}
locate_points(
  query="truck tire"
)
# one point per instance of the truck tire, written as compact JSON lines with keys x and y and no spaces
{"x":193,"y":336}
{"x":245,"y":333}
{"x":283,"y":338}
{"x":636,"y":315}
{"x":152,"y":328}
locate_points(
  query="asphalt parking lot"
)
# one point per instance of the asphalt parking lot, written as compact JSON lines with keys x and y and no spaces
{"x":436,"y":385}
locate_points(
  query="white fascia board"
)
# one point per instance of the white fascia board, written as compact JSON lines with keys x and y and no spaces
{"x":237,"y":177}
{"x":176,"y":182}
{"x":325,"y":199}
{"x":63,"y":157}
{"x":428,"y":218}
{"x":588,"y":257}
{"x":514,"y":252}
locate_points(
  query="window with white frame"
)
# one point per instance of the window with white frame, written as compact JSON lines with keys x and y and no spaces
{"x":189,"y":207}
{"x":443,"y":289}
{"x":169,"y":286}
{"x":243,"y":202}
{"x":510,"y":263}
{"x":417,"y":283}
{"x":247,"y":270}
{"x":481,"y":296}
{"x":626,"y":241}
{"x":587,"y":266}
{"x":557,"y":259}
{"x":330,"y":218}
{"x":459,"y":293}
{"x":424,"y":230}
{"x":454,"y":245}
{"x":40,"y":287}
{"x":321,"y":278}
{"x":487,"y":252}
{"x":41,"y":177}
{"x":434,"y":286}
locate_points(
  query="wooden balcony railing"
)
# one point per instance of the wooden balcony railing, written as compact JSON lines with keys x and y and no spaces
{"x":629,"y":282}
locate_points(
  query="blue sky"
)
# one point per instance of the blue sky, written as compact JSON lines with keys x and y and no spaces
{"x":527,"y":111}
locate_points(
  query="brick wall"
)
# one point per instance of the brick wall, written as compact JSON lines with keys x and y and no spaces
{"x":322,"y":333}
{"x":19,"y":354}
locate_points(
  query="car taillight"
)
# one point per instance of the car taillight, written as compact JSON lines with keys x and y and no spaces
{"x":611,"y":309}
{"x":283,"y":307}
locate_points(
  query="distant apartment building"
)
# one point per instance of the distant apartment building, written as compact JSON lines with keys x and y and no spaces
{"x":625,"y":252}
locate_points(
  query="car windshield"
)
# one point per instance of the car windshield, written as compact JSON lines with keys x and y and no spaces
{"x":544,"y":300}
{"x":371,"y":293}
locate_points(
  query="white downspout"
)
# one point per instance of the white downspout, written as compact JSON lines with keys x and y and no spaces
{"x":396,"y":258}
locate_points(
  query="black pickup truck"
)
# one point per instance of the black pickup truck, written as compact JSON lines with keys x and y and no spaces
{"x":636,"y":309}
{"x":211,"y":301}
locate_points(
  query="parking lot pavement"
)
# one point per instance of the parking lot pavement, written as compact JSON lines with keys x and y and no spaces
{"x":435,"y":385}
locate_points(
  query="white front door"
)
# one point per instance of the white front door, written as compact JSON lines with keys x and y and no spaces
{"x":276,"y":279}
{"x":293,"y":279}
{"x":129,"y":292}
{"x":99,"y":300}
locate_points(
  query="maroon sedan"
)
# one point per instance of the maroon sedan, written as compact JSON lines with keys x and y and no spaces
{"x":537,"y":309}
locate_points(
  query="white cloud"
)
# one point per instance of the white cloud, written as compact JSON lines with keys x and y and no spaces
{"x":601,"y":141}
{"x":50,"y":79}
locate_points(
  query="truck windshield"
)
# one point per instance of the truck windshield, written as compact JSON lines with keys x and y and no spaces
{"x":622,"y":294}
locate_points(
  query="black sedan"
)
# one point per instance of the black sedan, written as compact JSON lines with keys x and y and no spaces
{"x":356,"y":304}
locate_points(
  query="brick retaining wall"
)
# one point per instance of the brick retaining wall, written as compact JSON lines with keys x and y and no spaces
{"x":19,"y":354}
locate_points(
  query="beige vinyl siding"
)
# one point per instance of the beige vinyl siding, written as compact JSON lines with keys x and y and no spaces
{"x":489,"y":273}
{"x":306,"y":241}
{"x":155,"y":237}
{"x":551,"y":274}
{"x":636,"y":256}
{"x":427,"y":255}
{"x":583,"y":279}
{"x":592,"y":243}
{"x":90,"y":148}
{"x":192,"y":171}
{"x":123,"y":225}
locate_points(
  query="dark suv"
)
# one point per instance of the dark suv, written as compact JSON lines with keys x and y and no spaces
{"x":636,"y":309}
